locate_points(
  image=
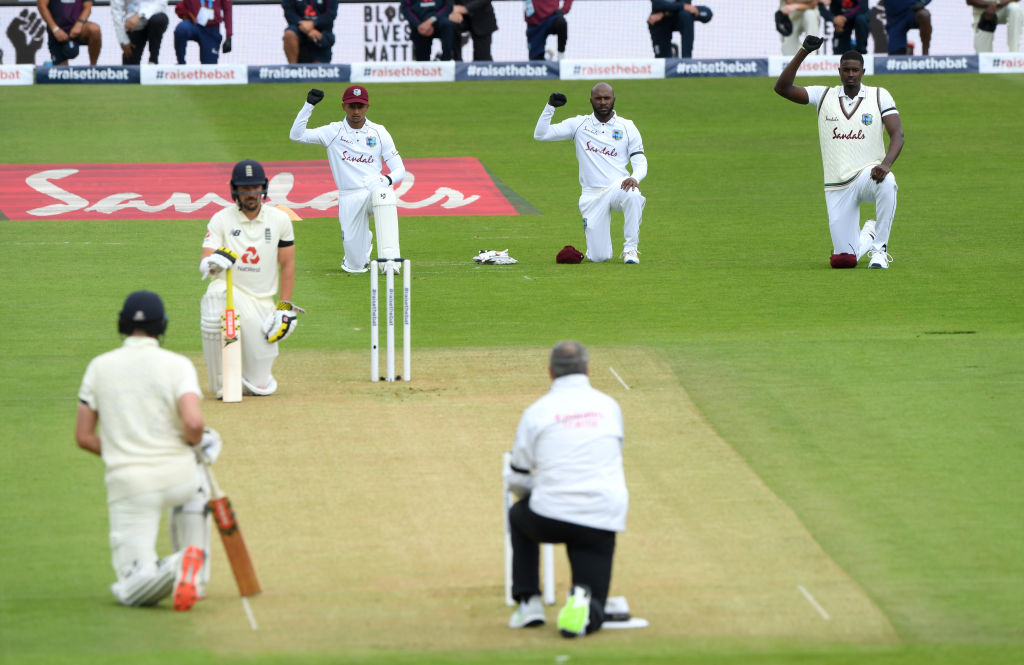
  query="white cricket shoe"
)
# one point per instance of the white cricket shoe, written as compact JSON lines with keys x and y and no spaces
{"x":529,"y":615}
{"x":355,"y":271}
{"x":867,"y":236}
{"x":630,"y":256}
{"x":880,"y":258}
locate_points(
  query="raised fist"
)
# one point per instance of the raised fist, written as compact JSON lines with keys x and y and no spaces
{"x":557,"y":99}
{"x":812,"y":43}
{"x":314,"y":97}
{"x":26,"y":33}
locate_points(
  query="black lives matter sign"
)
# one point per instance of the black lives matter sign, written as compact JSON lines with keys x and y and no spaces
{"x":385,"y":34}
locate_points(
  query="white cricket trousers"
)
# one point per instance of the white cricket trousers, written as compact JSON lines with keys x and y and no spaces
{"x":258,"y":354}
{"x":354,"y":207}
{"x":142,"y":579}
{"x":805,"y":22}
{"x":1012,"y":16}
{"x":596,"y":206}
{"x":844,"y":212}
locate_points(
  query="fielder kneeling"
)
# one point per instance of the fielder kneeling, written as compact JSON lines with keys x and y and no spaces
{"x":257,"y":242}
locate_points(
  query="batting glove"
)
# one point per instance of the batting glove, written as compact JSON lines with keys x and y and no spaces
{"x":557,"y":99}
{"x":208,"y":450}
{"x":812,"y":43}
{"x":281,"y":323}
{"x":314,"y":96}
{"x":220,"y":260}
{"x":377,"y":181}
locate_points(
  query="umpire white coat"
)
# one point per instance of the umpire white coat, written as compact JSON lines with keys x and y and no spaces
{"x":571,"y":439}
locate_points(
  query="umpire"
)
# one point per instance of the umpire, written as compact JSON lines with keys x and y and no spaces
{"x":567,"y":466}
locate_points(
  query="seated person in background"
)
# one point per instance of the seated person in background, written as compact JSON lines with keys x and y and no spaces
{"x":668,"y":16}
{"x":200,"y":23}
{"x":901,"y":16}
{"x":137,"y":23}
{"x":68,"y":25}
{"x":988,"y":14}
{"x":428,"y":19}
{"x":477,"y":18}
{"x":802,"y":17}
{"x":309,"y":36}
{"x":543,"y":18}
{"x":850,"y":18}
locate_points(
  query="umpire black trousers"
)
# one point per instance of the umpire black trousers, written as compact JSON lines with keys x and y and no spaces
{"x":590,"y":554}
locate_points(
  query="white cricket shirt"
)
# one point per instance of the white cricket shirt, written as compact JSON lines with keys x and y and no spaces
{"x":256,"y":242}
{"x":135,"y":390}
{"x":603,"y":149}
{"x":354,"y":154}
{"x":850,"y":130}
{"x":571,"y":439}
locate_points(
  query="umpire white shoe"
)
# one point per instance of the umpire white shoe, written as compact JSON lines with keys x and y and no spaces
{"x":880,"y":258}
{"x":529,"y":615}
{"x":630,"y":256}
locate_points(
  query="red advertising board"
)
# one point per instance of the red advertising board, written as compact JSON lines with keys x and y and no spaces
{"x":432,"y":187}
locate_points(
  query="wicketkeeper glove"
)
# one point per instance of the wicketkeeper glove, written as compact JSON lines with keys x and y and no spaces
{"x":208,"y":450}
{"x":282,"y":322}
{"x":220,"y":260}
{"x":557,"y":99}
{"x":314,"y":97}
{"x":812,"y":43}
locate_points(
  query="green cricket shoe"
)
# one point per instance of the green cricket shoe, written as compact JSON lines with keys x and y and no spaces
{"x":574,"y":617}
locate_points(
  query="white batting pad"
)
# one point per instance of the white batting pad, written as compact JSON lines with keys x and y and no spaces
{"x":385,"y":221}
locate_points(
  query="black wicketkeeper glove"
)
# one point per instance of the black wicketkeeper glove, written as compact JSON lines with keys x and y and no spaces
{"x":557,"y":99}
{"x":314,"y":96}
{"x":812,"y":43}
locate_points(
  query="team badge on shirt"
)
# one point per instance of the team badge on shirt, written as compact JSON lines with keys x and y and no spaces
{"x":867,"y":119}
{"x":371,"y":141}
{"x":617,"y":134}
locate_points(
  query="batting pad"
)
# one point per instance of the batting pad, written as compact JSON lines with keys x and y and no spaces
{"x":385,"y":221}
{"x":148,"y":585}
{"x":190,"y":524}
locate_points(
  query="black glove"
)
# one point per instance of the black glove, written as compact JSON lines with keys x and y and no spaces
{"x":557,"y":99}
{"x":227,"y":45}
{"x":987,"y":24}
{"x":314,"y":96}
{"x":918,"y":6}
{"x":812,"y":43}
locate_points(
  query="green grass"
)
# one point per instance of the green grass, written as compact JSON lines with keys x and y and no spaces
{"x":882,"y":407}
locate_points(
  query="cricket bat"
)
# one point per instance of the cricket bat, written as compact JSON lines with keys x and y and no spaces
{"x":231,"y":347}
{"x":231,"y":535}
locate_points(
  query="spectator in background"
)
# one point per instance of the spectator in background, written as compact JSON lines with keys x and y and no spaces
{"x":477,"y":18}
{"x":987,"y":15}
{"x":428,"y":19}
{"x":200,"y":23}
{"x":543,"y":18}
{"x":850,"y":19}
{"x":901,"y":16}
{"x":668,"y":16}
{"x":795,"y":18}
{"x":137,"y":23}
{"x":68,"y":26}
{"x":309,"y":36}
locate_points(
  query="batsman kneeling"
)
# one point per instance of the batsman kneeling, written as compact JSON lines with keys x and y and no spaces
{"x":251,"y":248}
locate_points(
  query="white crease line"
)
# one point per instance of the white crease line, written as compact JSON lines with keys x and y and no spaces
{"x":813,"y":602}
{"x":616,"y":374}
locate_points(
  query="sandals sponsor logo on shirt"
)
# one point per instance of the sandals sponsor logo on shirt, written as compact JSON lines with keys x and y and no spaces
{"x":432,"y":187}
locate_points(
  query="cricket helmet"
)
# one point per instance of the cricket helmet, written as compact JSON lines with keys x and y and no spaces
{"x":247,"y":173}
{"x":145,"y":310}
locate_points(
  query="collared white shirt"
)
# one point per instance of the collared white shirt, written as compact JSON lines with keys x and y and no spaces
{"x":256,"y":242}
{"x":135,"y":390}
{"x":886,"y":103}
{"x":354,"y":154}
{"x":603,"y":149}
{"x":571,"y":439}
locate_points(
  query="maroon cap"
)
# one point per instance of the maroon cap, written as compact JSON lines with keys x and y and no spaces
{"x":356,"y":93}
